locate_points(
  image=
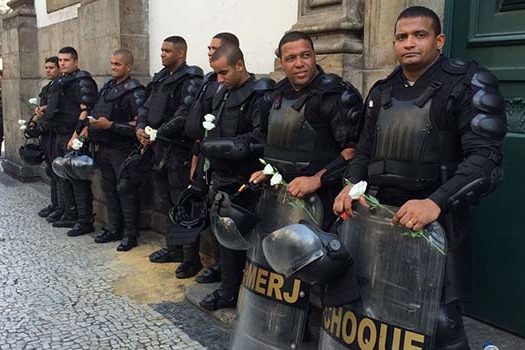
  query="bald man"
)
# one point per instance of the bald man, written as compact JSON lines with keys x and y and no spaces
{"x":112,"y":128}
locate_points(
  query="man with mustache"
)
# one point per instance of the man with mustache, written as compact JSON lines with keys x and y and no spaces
{"x":431,"y":144}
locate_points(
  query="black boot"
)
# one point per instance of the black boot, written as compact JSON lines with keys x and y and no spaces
{"x":106,"y":235}
{"x":84,"y":200}
{"x":164,"y":255}
{"x":211,"y":274}
{"x":113,"y":230}
{"x":127,"y":243}
{"x":55,"y":215}
{"x":219,"y":299}
{"x":44,"y":212}
{"x":130,"y":214}
{"x":80,"y":229}
{"x":69,"y":216}
{"x":191,"y":264}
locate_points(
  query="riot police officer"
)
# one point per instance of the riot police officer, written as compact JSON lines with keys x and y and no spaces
{"x":194,"y":130}
{"x":171,"y":93}
{"x":240,"y":109}
{"x":69,"y":102}
{"x":52,"y":73}
{"x":112,"y":129}
{"x":431,"y":144}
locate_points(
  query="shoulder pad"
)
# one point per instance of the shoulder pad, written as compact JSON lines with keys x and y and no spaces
{"x":263,"y":84}
{"x":211,"y":76}
{"x":350,"y":96}
{"x":483,"y":78}
{"x":194,"y":70}
{"x":133,"y":84}
{"x":81,"y":74}
{"x":328,"y":81}
{"x":457,"y":66}
{"x":159,"y":75}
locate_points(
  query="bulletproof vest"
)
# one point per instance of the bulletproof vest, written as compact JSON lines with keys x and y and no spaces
{"x":410,"y":153}
{"x":293,"y":143}
{"x":163,"y":88}
{"x":110,"y":104}
{"x":44,"y":93}
{"x":230,"y":108}
{"x":63,"y":108}
{"x":202,"y":106}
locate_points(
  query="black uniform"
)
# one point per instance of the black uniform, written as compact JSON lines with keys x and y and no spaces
{"x":120,"y":104}
{"x":439,"y":138}
{"x":241,"y":119}
{"x":46,"y":142}
{"x":61,"y":119}
{"x":166,"y":109}
{"x":309,"y":128}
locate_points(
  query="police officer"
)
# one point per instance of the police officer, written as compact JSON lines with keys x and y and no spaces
{"x":171,"y":93}
{"x":312,"y":152}
{"x":194,"y":129}
{"x":240,"y":108}
{"x":52,"y":73}
{"x":69,"y":102}
{"x":431,"y":144}
{"x":112,"y":129}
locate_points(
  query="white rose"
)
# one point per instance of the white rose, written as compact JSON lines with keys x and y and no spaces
{"x":358,"y":190}
{"x":77,"y":144}
{"x":34,"y":101}
{"x":208,"y":125}
{"x":152,"y":133}
{"x":276,"y":179}
{"x":22,"y":122}
{"x":268,"y":170}
{"x":23,"y":127}
{"x":262,"y":161}
{"x":209,"y":118}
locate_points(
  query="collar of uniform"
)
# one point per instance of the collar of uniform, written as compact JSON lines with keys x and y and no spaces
{"x":288,"y":92}
{"x":240,"y":94}
{"x":181,"y":67}
{"x":427,"y":76}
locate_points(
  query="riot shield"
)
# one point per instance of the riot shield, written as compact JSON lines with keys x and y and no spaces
{"x":272,"y":308}
{"x":400,"y":282}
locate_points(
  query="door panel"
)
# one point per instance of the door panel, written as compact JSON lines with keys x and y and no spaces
{"x":492,"y":32}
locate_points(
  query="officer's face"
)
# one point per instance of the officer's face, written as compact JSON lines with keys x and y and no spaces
{"x":169,"y":54}
{"x":416,"y":44}
{"x":67,"y":63}
{"x":229,"y":76}
{"x":52,"y":70}
{"x":298,"y":62}
{"x":119,"y":67}
{"x":214,"y":45}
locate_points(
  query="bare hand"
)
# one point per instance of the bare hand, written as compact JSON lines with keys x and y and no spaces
{"x":71,"y":140}
{"x":258,"y":177}
{"x":416,"y":214}
{"x":343,"y":202}
{"x":142,"y":137}
{"x":101,"y":123}
{"x":304,"y":185}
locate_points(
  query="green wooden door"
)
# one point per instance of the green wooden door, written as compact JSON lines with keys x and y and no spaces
{"x":493,"y":33}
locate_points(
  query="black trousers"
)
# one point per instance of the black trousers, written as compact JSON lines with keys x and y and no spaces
{"x":47,"y":141}
{"x":121,"y":205}
{"x":170,"y":175}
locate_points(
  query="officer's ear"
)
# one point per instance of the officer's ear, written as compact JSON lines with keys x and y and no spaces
{"x":440,"y":41}
{"x":239,"y":65}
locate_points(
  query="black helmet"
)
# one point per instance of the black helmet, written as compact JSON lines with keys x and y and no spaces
{"x":189,"y":217}
{"x":79,"y":167}
{"x":314,"y":256}
{"x":231,"y":223}
{"x":32,"y":153}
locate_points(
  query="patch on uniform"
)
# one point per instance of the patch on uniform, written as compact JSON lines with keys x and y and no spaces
{"x":370,"y":104}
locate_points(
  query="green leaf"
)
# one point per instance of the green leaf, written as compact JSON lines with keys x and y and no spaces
{"x":206,"y":164}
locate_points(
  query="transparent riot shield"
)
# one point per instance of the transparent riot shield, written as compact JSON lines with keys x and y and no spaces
{"x":271,"y":308}
{"x":400,"y":282}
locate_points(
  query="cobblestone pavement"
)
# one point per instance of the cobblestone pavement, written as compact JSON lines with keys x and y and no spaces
{"x":56,"y":292}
